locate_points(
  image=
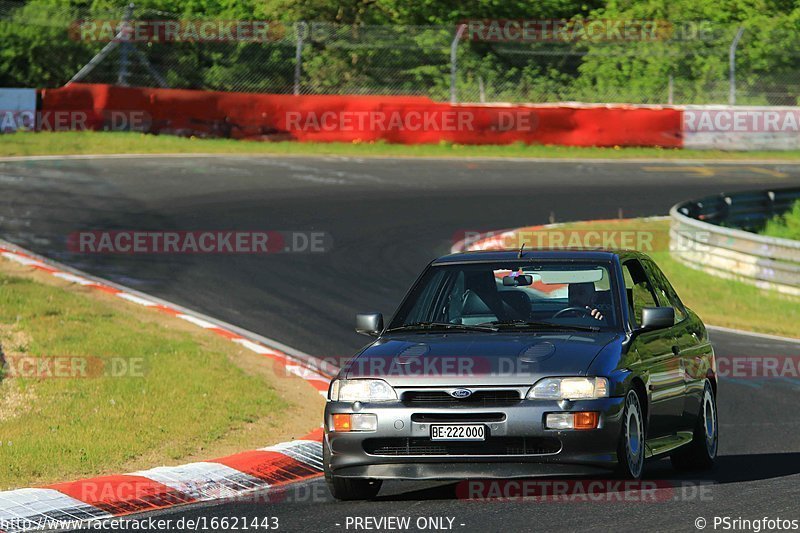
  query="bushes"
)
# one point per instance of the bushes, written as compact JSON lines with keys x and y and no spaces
{"x":785,"y":226}
{"x":403,"y":47}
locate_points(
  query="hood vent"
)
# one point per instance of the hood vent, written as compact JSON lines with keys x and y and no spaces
{"x":538,"y":352}
{"x":411,"y":354}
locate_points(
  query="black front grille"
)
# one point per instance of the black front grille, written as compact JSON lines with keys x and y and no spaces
{"x":479,"y":398}
{"x":398,"y":447}
{"x":430,"y":418}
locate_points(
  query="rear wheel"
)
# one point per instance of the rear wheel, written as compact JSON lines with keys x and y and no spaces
{"x":345,"y":488}
{"x":630,"y":451}
{"x":701,"y":452}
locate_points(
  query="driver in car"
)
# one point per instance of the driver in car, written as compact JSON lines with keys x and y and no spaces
{"x":584,"y":295}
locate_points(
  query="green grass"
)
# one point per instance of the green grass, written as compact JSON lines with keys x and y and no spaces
{"x":717,"y":301}
{"x":189,"y":396}
{"x":786,"y":225}
{"x":63,"y":143}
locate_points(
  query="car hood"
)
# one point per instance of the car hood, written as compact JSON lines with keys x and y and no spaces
{"x":474,"y":358}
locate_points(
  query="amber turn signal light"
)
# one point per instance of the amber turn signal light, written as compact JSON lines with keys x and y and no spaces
{"x":341,"y":423}
{"x":585,"y":420}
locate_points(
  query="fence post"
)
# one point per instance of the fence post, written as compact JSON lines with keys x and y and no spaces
{"x":124,"y":51}
{"x":671,"y":90}
{"x":298,"y":54}
{"x":732,"y":66}
{"x":453,"y":66}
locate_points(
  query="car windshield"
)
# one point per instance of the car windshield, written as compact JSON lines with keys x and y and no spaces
{"x":506,"y":296}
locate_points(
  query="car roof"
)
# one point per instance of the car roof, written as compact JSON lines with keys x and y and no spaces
{"x":568,"y":254}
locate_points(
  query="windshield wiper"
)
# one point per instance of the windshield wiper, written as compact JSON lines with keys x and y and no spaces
{"x":443,"y":325}
{"x":535,"y":324}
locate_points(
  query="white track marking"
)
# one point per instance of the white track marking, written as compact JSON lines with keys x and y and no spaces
{"x":198,"y":321}
{"x":136,"y":299}
{"x":204,"y":481}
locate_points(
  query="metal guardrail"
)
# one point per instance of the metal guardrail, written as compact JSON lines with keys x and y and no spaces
{"x":714,"y":234}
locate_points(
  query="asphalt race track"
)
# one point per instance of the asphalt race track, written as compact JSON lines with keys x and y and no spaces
{"x":387,"y":218}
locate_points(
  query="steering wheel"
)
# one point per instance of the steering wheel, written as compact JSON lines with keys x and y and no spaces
{"x":575,"y":309}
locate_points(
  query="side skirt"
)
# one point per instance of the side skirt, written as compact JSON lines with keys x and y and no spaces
{"x":664,"y":445}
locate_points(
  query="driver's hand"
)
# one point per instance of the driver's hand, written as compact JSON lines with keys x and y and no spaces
{"x":595,"y":313}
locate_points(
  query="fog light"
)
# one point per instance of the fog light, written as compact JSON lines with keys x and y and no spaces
{"x":364,"y":422}
{"x":579,"y":420}
{"x":355,"y":422}
{"x":559,"y":421}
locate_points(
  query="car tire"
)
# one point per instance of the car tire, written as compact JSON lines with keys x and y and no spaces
{"x":346,"y":488}
{"x":701,"y":452}
{"x":630,"y":451}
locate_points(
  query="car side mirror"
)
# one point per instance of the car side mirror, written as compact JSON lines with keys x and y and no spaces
{"x":369,"y":324}
{"x":658,"y":317}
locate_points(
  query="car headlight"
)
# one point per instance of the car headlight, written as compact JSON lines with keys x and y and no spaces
{"x":362,"y":390}
{"x":569,"y":389}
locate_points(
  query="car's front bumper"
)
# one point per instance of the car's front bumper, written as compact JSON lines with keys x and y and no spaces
{"x":517,"y":445}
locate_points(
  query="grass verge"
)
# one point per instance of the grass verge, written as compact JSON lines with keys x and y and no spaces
{"x":137,"y":388}
{"x":88,"y":142}
{"x":718,"y":301}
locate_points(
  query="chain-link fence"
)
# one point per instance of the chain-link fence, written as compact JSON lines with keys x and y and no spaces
{"x":681,"y":63}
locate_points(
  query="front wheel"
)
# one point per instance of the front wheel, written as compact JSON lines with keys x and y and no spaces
{"x":701,"y":452}
{"x":630,"y":452}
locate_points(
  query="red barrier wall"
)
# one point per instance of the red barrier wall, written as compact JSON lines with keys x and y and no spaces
{"x":398,"y":119}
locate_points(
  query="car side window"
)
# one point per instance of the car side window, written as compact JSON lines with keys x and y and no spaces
{"x":665,"y":292}
{"x":638,"y":289}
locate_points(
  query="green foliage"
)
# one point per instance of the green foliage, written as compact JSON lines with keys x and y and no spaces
{"x":766,"y":56}
{"x":27,"y":55}
{"x":403,"y":47}
{"x":785,"y":226}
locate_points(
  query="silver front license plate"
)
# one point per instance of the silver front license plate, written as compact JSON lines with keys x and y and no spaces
{"x":458,"y":432}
